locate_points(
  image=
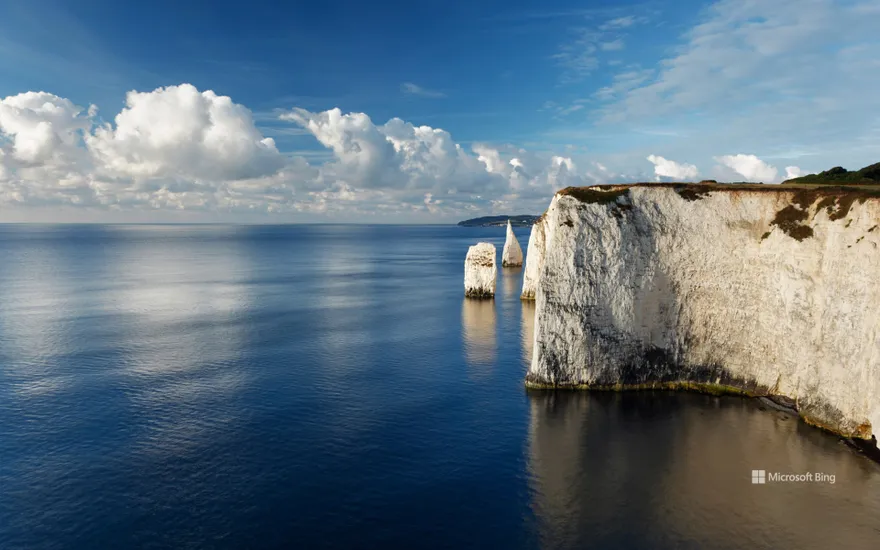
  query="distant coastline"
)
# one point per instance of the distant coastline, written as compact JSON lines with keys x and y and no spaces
{"x":521,"y":220}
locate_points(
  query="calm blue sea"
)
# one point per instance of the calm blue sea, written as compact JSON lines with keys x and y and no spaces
{"x":329,"y":387}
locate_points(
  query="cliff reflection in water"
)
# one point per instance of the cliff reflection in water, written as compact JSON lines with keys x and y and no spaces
{"x":478,"y":320}
{"x":511,"y":281}
{"x":527,"y":330}
{"x":660,"y":469}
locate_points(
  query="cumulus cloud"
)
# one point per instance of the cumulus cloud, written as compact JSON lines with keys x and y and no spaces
{"x":41,"y":126}
{"x":183,"y":133}
{"x":406,"y":162}
{"x":178,"y":148}
{"x":395,"y":156}
{"x":173,"y":148}
{"x":750,"y":167}
{"x":794,"y":172}
{"x":665,"y":168}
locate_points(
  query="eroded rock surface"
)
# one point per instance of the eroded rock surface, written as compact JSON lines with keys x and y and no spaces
{"x":761,"y":290}
{"x":479,"y":271}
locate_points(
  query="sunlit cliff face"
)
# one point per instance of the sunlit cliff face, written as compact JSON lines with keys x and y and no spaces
{"x":762,"y":290}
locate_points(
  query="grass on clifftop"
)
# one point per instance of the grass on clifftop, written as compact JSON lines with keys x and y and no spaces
{"x":609,"y":193}
{"x":793,"y":219}
{"x":838,"y":175}
{"x":599,"y":194}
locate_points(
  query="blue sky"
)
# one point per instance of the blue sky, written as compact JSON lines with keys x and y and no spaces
{"x":519,"y":98}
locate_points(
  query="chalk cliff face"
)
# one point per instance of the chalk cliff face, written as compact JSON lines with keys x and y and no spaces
{"x":758,"y":289}
{"x":512,"y":254}
{"x":534,"y":260}
{"x":479,"y":271}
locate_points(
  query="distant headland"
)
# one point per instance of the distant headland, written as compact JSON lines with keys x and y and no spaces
{"x":521,"y":220}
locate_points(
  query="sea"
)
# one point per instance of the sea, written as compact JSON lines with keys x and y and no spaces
{"x":329,"y":386}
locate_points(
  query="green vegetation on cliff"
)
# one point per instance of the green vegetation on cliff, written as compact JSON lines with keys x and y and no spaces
{"x":837,"y":175}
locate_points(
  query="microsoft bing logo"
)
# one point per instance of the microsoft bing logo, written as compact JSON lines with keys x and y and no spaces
{"x":759,"y":477}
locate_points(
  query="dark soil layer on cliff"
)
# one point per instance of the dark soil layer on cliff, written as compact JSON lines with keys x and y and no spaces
{"x":793,"y":219}
{"x":690,"y":191}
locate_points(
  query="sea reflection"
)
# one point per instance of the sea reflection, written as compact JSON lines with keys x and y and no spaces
{"x":675,"y":465}
{"x":179,"y":303}
{"x":478,"y":320}
{"x":33,"y":313}
{"x":180,"y":300}
{"x":527,"y":330}
{"x":511,"y":280}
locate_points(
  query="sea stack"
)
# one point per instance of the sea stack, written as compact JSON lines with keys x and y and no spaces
{"x":534,"y":260}
{"x":479,"y":271}
{"x":512,"y":255}
{"x":758,"y":290}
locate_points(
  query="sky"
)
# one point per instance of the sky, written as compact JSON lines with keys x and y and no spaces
{"x":417,"y":111}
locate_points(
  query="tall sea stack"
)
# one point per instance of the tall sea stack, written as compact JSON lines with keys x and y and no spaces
{"x":479,"y":271}
{"x":512,"y":255}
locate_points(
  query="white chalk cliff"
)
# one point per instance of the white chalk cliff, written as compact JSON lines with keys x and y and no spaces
{"x":512,"y":254}
{"x":479,"y":271}
{"x":761,"y":290}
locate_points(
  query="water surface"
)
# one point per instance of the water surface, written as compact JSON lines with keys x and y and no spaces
{"x":329,"y":387}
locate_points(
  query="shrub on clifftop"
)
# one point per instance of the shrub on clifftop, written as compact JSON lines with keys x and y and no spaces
{"x":867,"y":175}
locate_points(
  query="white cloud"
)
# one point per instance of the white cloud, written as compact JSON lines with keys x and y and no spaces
{"x":578,"y":60}
{"x":794,"y":172}
{"x":179,"y":132}
{"x":579,"y":57}
{"x":570,"y":109}
{"x":612,"y":45}
{"x":405,"y":162}
{"x":750,"y":167}
{"x":415,"y":89}
{"x":742,"y":68}
{"x":623,"y":83}
{"x":180,"y":149}
{"x":619,"y":23}
{"x":42,"y":126}
{"x":664,"y":168}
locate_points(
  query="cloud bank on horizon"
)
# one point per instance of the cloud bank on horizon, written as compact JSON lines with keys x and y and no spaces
{"x":181,"y":149}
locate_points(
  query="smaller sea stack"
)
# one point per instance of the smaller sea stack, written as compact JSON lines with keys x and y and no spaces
{"x":479,"y":271}
{"x":512,"y":255}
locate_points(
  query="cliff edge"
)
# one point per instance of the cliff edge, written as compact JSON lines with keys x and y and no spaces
{"x":761,"y":290}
